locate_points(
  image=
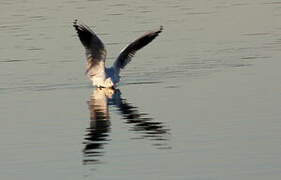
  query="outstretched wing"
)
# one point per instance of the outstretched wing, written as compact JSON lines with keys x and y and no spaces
{"x":95,"y":49}
{"x":129,"y":51}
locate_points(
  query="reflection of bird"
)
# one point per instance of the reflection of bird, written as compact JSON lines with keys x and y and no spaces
{"x":97,"y":135}
{"x":96,"y":55}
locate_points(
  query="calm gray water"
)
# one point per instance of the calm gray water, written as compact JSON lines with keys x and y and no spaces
{"x":201,"y":102}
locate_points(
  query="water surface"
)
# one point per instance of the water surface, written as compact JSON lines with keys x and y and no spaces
{"x":202,"y":101}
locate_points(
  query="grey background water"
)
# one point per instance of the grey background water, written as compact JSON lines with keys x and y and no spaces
{"x":203,"y":101}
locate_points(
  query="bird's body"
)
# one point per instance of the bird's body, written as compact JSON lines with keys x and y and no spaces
{"x":96,"y":55}
{"x":107,"y":78}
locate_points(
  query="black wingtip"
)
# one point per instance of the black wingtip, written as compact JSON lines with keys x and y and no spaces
{"x":161,"y":28}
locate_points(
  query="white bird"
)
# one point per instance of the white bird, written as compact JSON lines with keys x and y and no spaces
{"x":101,"y":76}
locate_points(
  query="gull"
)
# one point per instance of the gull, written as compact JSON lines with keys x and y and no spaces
{"x":101,"y":76}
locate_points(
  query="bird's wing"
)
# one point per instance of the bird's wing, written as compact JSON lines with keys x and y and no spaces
{"x":95,"y":49}
{"x":129,"y":51}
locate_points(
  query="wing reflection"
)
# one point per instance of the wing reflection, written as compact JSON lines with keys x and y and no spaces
{"x":141,"y":123}
{"x":97,"y":135}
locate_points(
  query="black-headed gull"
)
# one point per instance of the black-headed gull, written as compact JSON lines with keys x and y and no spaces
{"x":96,"y":55}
